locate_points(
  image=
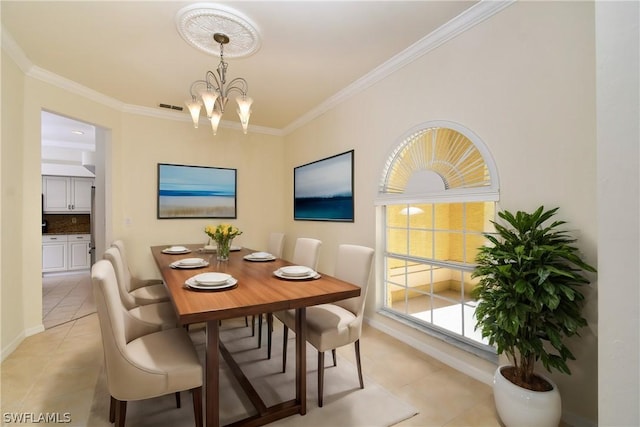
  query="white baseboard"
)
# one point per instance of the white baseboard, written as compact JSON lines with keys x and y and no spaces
{"x":457,"y":364}
{"x":11,"y":347}
{"x":34,"y":330}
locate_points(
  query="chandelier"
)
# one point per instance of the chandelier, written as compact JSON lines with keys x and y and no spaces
{"x":214,"y":93}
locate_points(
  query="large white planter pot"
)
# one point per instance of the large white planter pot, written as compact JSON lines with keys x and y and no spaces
{"x":519,"y":407}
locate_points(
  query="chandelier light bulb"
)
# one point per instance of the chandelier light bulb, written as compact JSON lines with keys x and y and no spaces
{"x":194,"y":108}
{"x":244,"y":111}
{"x":209,"y":99}
{"x":215,"y":120}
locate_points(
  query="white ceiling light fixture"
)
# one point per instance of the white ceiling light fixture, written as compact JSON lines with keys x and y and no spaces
{"x":411,"y":210}
{"x":214,"y":93}
{"x":196,"y":24}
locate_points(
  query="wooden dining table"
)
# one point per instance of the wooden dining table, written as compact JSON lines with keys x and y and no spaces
{"x":258,"y":290}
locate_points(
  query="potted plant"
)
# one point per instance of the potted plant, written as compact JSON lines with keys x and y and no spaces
{"x":528,"y":303}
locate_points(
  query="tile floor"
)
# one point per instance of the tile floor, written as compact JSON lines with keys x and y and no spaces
{"x":66,"y":297}
{"x":57,"y":370}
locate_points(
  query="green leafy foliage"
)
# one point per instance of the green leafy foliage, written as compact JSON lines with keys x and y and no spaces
{"x":528,"y":294}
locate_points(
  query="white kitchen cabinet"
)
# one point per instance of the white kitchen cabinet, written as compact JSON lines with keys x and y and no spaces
{"x":66,"y":194}
{"x":78,"y":249}
{"x":54,"y":253}
{"x":65,"y":252}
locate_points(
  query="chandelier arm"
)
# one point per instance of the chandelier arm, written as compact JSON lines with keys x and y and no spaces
{"x":238,"y":84}
{"x":194,"y":85}
{"x":211,"y":75}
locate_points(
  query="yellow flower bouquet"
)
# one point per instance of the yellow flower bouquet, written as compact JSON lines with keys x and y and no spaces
{"x":223,"y":235}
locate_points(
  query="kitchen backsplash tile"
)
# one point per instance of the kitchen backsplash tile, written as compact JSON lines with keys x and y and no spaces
{"x":67,"y":224}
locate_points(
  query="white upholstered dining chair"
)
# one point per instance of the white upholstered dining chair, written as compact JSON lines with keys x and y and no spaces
{"x":160,"y":313}
{"x":306,"y":252}
{"x":144,"y":291}
{"x":334,"y":325}
{"x":276,"y":244}
{"x":141,"y":362}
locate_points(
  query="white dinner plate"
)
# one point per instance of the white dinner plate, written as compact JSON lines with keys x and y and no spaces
{"x":259,"y":256}
{"x":211,"y":279}
{"x":226,"y":285}
{"x":295,"y":271}
{"x":174,"y":250}
{"x":311,"y":275}
{"x":189,"y":263}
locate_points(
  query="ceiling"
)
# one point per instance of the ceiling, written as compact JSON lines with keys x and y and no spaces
{"x":309,"y":51}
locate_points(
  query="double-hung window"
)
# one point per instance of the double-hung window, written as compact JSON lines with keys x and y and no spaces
{"x":437,"y":197}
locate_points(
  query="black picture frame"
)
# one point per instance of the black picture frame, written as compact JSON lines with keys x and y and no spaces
{"x":188,"y":191}
{"x":324,"y":190}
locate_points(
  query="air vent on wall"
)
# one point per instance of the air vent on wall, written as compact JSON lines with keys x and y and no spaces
{"x":170,"y":107}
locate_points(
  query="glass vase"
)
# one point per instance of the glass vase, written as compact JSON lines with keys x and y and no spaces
{"x":222,"y":250}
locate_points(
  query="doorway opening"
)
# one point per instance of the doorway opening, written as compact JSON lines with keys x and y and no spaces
{"x":73,"y":165}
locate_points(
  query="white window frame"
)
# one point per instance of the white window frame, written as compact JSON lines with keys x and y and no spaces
{"x":485,"y":193}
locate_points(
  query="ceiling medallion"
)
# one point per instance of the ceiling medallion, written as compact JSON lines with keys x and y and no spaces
{"x":197,"y":22}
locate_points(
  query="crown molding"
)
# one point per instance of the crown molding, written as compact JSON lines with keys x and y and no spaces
{"x":29,"y":69}
{"x":73,"y":87}
{"x":12,"y":49}
{"x":456,"y":26}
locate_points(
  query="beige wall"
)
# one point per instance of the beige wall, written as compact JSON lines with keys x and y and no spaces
{"x":524,"y":81}
{"x":618,"y":71}
{"x":257,"y":158}
{"x":12,"y":324}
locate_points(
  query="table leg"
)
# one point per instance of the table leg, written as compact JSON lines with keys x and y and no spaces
{"x":301,"y":359}
{"x":212,"y":374}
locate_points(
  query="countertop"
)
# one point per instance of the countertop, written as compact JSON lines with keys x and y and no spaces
{"x":65,"y":234}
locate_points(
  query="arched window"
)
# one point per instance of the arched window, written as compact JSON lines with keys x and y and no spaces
{"x":437,"y":193}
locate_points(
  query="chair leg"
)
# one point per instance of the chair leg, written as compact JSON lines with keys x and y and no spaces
{"x":260,"y":331}
{"x":112,"y":410}
{"x":357,"y":346}
{"x":320,"y":377}
{"x":269,"y":332}
{"x":246,"y":321}
{"x":121,"y":412}
{"x":196,"y":394}
{"x":285,"y":338}
{"x":253,"y":325}
{"x":333,"y":354}
{"x":178,"y":402}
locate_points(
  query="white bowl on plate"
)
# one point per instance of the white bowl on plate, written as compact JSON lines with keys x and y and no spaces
{"x":176,"y":249}
{"x":191,"y":261}
{"x":295,"y":271}
{"x":261,"y":255}
{"x":212,"y":278}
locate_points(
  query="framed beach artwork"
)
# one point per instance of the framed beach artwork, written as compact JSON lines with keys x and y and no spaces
{"x":196,"y":192}
{"x":323,"y":190}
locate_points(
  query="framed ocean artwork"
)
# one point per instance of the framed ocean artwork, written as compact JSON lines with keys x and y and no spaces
{"x":323,"y":190}
{"x":196,"y":192}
